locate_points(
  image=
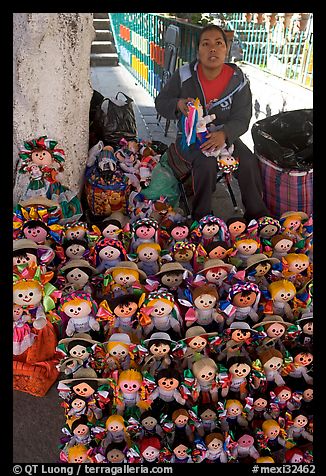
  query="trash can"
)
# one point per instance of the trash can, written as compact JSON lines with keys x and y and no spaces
{"x":283,"y":144}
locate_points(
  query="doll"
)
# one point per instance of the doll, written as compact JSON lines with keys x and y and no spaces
{"x":305,"y":338}
{"x":197,"y":345}
{"x":116,"y":432}
{"x":178,"y":231}
{"x":292,"y":224}
{"x":215,"y":448}
{"x":218,"y":250}
{"x":130,"y":385}
{"x":181,"y":449}
{"x":110,"y":227}
{"x":115,"y":453}
{"x":275,"y":328}
{"x":173,"y":277}
{"x":218,"y":273}
{"x":265,"y":459}
{"x":159,"y":313}
{"x":150,"y":425}
{"x":75,"y":249}
{"x":245,"y":245}
{"x":306,"y":401}
{"x":296,"y":372}
{"x":239,"y":368}
{"x":77,"y":407}
{"x":281,"y":245}
{"x":226,"y":162}
{"x":209,"y":419}
{"x":205,"y":371}
{"x":143,"y":230}
{"x":282,"y":291}
{"x":37,"y":231}
{"x":271,"y":432}
{"x":294,"y":455}
{"x":236,"y":226}
{"x":75,"y":231}
{"x":78,"y":273}
{"x":259,"y":269}
{"x":77,"y":351}
{"x":245,"y":448}
{"x":181,"y":428}
{"x":148,"y":255}
{"x":108,"y":254}
{"x":124,"y":278}
{"x":129,"y":162}
{"x":272,"y":361}
{"x":233,"y":417}
{"x":267,"y":228}
{"x":258,"y":410}
{"x":297,"y":430}
{"x":297,"y":269}
{"x":282,"y":401}
{"x":240,"y":335}
{"x":27,"y":251}
{"x":80,"y":309}
{"x":210,"y":229}
{"x":160,"y":346}
{"x":78,"y":454}
{"x":117,"y":353}
{"x":166,"y":396}
{"x":80,"y":431}
{"x":194,"y":125}
{"x":23,"y":337}
{"x":244,"y":299}
{"x":185,"y":254}
{"x":150,"y":447}
{"x":204,"y":311}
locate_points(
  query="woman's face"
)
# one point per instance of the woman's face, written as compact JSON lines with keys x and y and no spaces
{"x":212,"y":49}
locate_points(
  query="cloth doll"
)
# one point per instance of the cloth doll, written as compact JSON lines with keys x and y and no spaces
{"x":205,"y":371}
{"x":245,"y":245}
{"x":178,"y":231}
{"x":236,"y":226}
{"x":296,"y":372}
{"x":306,"y":401}
{"x":305,"y":338}
{"x":292,"y":224}
{"x":267,"y":228}
{"x":75,"y":249}
{"x":160,"y":347}
{"x":245,"y":448}
{"x":210,"y":229}
{"x":194,"y":125}
{"x":215,"y":452}
{"x":80,"y":429}
{"x":181,"y":450}
{"x":125,"y":278}
{"x":118,"y":351}
{"x":298,"y":427}
{"x":23,"y":337}
{"x":272,"y":361}
{"x":78,"y":454}
{"x":218,"y":250}
{"x":294,"y":455}
{"x":40,"y":158}
{"x":78,"y":274}
{"x":111,"y":227}
{"x":76,"y":230}
{"x":115,"y":453}
{"x":144,"y":230}
{"x":233,"y":417}
{"x":185,"y":254}
{"x":257,"y":408}
{"x":148,"y":255}
{"x":204,"y":311}
{"x":80,"y":309}
{"x":271,"y":432}
{"x":116,"y":431}
{"x":226,"y":162}
{"x":150,"y":425}
{"x":216,"y":272}
{"x":173,"y":277}
{"x":40,"y":232}
{"x":78,"y":406}
{"x":275,"y":328}
{"x":259,"y":269}
{"x":150,"y":447}
{"x":108,"y":254}
{"x":197,"y":345}
{"x":281,"y":245}
{"x":297,"y":269}
{"x":241,"y":303}
{"x":159,"y":313}
{"x":27,"y":251}
{"x":130,"y":388}
{"x":239,"y":368}
{"x":166,"y":395}
{"x":239,"y":336}
{"x":77,"y":351}
{"x":282,"y":401}
{"x":128,"y":157}
{"x":282,"y":292}
{"x":208,"y":419}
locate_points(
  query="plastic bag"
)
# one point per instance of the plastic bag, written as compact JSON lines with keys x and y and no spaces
{"x":116,"y":120}
{"x":286,"y":139}
{"x":163,"y":183}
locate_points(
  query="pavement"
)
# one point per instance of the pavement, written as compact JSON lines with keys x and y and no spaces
{"x":37,"y":421}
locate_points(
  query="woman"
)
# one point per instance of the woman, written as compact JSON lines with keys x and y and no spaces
{"x":223,"y":90}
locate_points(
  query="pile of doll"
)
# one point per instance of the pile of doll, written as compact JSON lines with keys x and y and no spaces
{"x":175,"y":341}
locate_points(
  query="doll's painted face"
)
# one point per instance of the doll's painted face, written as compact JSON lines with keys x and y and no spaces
{"x":237,"y":228}
{"x":78,"y":404}
{"x":215,"y":445}
{"x":75,"y":251}
{"x":83,"y":389}
{"x":284,"y":395}
{"x":292,"y":223}
{"x":197,"y":343}
{"x":180,"y":451}
{"x":148,"y":254}
{"x":240,"y":335}
{"x":284,"y":295}
{"x":125,"y":310}
{"x":129,"y":386}
{"x":78,"y":277}
{"x":77,"y":456}
{"x":308,"y":394}
{"x":244,"y":299}
{"x":275,"y":330}
{"x":275,"y":363}
{"x":304,"y":358}
{"x":246,"y":441}
{"x":36,"y":233}
{"x":168,"y":383}
{"x":272,"y":432}
{"x":247,"y":247}
{"x":75,"y":232}
{"x":111,"y":231}
{"x":181,"y":420}
{"x":216,"y":275}
{"x":80,"y":310}
{"x":42,"y":157}
{"x":17,"y":312}
{"x":210,"y":230}
{"x":240,"y":370}
{"x":208,"y":415}
{"x":308,"y":328}
{"x":119,"y":352}
{"x":161,"y":309}
{"x":180,"y":233}
{"x":296,"y":458}
{"x":234,"y":409}
{"x":115,"y":456}
{"x":183,"y":255}
{"x":149,"y":423}
{"x":205,"y":302}
{"x":300,"y":421}
{"x":26,"y":258}
{"x":115,"y":426}
{"x":109,"y":253}
{"x":260,"y":403}
{"x":262,"y":269}
{"x":81,"y":430}
{"x":160,"y":349}
{"x":218,"y":253}
{"x":172,"y":279}
{"x":124,"y":278}
{"x":150,"y":454}
{"x":207,"y":373}
{"x":79,"y":351}
{"x":283,"y":246}
{"x":145,"y":232}
{"x":268,"y":231}
{"x":299,"y":264}
{"x":27,"y":295}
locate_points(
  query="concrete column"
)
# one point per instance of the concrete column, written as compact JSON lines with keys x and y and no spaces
{"x":52,"y":88}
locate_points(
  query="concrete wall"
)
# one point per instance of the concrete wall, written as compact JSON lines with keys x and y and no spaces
{"x":51,"y":86}
{"x":272,"y":95}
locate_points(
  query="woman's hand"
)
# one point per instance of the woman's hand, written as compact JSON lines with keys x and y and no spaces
{"x":215,"y":140}
{"x":182,"y":105}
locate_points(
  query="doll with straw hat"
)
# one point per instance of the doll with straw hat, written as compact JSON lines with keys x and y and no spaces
{"x":124,"y":278}
{"x":197,"y":341}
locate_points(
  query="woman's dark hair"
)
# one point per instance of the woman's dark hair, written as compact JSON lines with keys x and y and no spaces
{"x":212,"y":27}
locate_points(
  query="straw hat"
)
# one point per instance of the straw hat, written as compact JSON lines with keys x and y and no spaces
{"x":243,"y":326}
{"x":260,"y":258}
{"x":119,"y":337}
{"x":79,"y":336}
{"x":160,"y":336}
{"x":174,"y":266}
{"x":39,"y":201}
{"x":198,"y":331}
{"x":86,"y":374}
{"x":215,"y":263}
{"x":272,"y":319}
{"x":128,"y":265}
{"x":303,"y":215}
{"x":24,"y":243}
{"x":78,"y":263}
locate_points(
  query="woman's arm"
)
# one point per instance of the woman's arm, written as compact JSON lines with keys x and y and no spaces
{"x":241,"y":112}
{"x":166,"y":101}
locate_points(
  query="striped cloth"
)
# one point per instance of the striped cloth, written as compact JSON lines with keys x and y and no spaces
{"x":286,"y":190}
